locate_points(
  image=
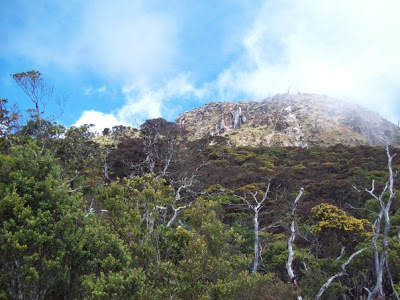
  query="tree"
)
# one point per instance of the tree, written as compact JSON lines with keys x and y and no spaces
{"x":80,"y":158}
{"x":50,"y":248}
{"x":161,"y":141}
{"x":256,"y":206}
{"x":211,"y":252}
{"x":289,"y":267}
{"x":153,"y":151}
{"x":341,"y":273}
{"x":184,"y":184}
{"x":39,"y":93}
{"x":184,"y":195}
{"x":33,"y":206}
{"x":8,"y":123}
{"x":334,"y":226}
{"x":384,"y":199}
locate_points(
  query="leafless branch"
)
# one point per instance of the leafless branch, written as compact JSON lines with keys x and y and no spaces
{"x":341,"y":273}
{"x":382,"y":218}
{"x":362,"y":208}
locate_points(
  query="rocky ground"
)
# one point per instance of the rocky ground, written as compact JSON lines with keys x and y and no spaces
{"x":291,"y":120}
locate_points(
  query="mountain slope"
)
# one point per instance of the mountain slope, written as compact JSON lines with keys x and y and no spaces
{"x":291,"y":120}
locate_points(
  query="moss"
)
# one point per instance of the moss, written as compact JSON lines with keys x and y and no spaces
{"x":299,"y":167}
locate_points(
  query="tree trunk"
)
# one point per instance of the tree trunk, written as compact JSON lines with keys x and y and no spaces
{"x":289,"y":264}
{"x":380,"y":257}
{"x":256,"y":240}
{"x":341,"y":273}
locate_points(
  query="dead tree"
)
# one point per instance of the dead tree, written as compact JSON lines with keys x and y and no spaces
{"x":184,"y":185}
{"x":289,"y":267}
{"x":161,"y":142}
{"x":341,"y":273}
{"x":382,"y":219}
{"x":256,"y":208}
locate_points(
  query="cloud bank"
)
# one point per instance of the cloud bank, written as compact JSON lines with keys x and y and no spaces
{"x":347,"y":49}
{"x":142,"y":103}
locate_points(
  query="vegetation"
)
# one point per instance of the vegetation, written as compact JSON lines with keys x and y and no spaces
{"x":151,"y":215}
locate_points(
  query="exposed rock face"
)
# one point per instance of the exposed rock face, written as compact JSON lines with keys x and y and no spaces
{"x":231,"y":118}
{"x":291,"y":120}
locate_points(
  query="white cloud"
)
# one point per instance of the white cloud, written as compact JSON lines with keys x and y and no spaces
{"x":101,"y":90}
{"x":142,"y":103}
{"x":88,"y":91}
{"x":126,"y":41}
{"x":99,"y":120}
{"x":341,"y":48}
{"x":123,"y":41}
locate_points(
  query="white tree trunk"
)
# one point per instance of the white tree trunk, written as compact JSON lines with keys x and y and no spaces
{"x":173,"y":218}
{"x":380,"y":257}
{"x":289,"y":264}
{"x":256,"y":207}
{"x":176,"y":213}
{"x":341,"y":273}
{"x":256,"y":240}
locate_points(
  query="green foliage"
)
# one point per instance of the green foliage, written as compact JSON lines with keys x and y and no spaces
{"x":81,"y":158}
{"x":245,"y":286}
{"x":312,"y":281}
{"x":109,"y":271}
{"x":8,"y":124}
{"x":43,"y":131}
{"x":395,"y":221}
{"x":69,"y":231}
{"x":276,"y":254}
{"x":299,"y":167}
{"x":31,"y":216}
{"x":211,"y":253}
{"x":48,"y":246}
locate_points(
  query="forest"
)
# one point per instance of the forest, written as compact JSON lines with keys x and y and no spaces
{"x":149,"y":213}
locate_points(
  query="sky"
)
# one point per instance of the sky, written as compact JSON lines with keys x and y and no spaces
{"x":123,"y":62}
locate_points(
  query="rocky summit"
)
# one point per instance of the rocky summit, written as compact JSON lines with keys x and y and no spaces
{"x":300,"y":120}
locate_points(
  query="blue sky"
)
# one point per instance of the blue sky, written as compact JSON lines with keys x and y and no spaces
{"x":122,"y":62}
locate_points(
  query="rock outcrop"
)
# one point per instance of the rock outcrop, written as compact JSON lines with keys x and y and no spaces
{"x":291,"y":120}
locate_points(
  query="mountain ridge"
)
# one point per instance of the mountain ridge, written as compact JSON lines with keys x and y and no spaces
{"x":300,"y":120}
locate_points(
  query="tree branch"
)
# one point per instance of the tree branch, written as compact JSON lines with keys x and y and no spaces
{"x":341,"y":273}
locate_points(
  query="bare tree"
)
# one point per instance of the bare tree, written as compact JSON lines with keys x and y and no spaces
{"x":289,"y":264}
{"x":341,"y":273}
{"x":185,"y":184}
{"x":160,"y":139}
{"x":180,"y":186}
{"x":256,"y":207}
{"x":382,"y":219}
{"x":106,"y":152}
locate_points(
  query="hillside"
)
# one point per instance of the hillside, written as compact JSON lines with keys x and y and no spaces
{"x":300,"y":120}
{"x":166,"y":213}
